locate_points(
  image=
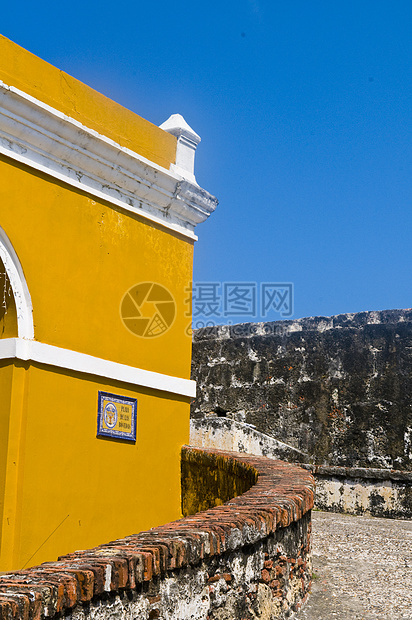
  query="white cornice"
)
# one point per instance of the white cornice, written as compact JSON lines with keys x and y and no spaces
{"x":44,"y":138}
{"x":31,"y":350}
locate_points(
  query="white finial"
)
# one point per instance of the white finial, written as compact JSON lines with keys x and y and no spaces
{"x":187,"y":141}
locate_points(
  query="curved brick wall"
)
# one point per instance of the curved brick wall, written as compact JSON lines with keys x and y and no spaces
{"x":245,"y":559}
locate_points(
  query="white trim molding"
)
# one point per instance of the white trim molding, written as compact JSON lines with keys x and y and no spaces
{"x":35,"y":134}
{"x":22,"y":299}
{"x":187,"y":141}
{"x":31,"y":350}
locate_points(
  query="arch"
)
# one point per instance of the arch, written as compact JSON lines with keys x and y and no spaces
{"x":22,"y":299}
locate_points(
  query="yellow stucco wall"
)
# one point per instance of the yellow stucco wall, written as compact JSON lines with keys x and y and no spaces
{"x":79,"y":256}
{"x":6,"y":377}
{"x":96,"y":489}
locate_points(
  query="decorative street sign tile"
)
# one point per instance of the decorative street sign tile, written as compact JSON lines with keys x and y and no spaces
{"x":117,"y":416}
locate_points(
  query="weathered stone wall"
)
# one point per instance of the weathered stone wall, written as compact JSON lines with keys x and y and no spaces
{"x":227,"y":434}
{"x":354,"y":490}
{"x":357,"y":490}
{"x":208,"y":482}
{"x":337,"y":388}
{"x":246,"y":559}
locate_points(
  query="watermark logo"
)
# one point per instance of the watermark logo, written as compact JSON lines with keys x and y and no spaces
{"x":239,"y":299}
{"x":277,"y":296}
{"x":148,"y":310}
{"x":218,"y":301}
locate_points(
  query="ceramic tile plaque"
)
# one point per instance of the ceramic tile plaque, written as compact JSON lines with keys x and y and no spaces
{"x":117,"y":416}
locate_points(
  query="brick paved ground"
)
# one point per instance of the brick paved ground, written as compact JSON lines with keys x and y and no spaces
{"x":363,"y":569}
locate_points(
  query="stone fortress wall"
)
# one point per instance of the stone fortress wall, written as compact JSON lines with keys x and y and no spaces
{"x":334,"y":391}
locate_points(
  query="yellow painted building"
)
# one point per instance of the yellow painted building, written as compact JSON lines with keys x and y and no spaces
{"x":97,"y":215}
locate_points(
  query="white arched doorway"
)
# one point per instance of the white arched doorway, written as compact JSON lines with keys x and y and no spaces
{"x":21,"y":295}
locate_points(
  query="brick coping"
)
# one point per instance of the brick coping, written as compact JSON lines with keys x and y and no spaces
{"x":282,"y":494}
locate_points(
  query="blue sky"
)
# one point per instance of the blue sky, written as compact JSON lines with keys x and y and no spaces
{"x":304,"y":109}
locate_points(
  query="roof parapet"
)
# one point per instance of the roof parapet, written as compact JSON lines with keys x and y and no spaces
{"x":187,"y":141}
